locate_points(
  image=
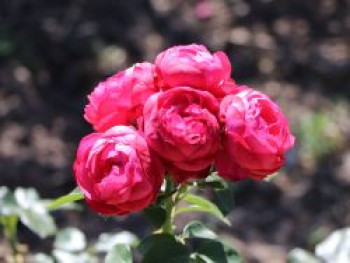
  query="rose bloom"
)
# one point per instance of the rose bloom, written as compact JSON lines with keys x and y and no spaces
{"x":119,"y":100}
{"x":193,"y":66}
{"x":117,"y":172}
{"x":256,"y":136}
{"x":181,"y":126}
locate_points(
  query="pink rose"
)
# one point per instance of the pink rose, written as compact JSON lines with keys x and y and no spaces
{"x":119,"y":100}
{"x":181,"y":126}
{"x":230,"y":87}
{"x":256,"y":136}
{"x":193,"y":66}
{"x":117,"y":172}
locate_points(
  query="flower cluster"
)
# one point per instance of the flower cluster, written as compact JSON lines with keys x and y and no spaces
{"x":180,"y":116}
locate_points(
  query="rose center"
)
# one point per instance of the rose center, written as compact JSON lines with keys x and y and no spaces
{"x":186,"y":124}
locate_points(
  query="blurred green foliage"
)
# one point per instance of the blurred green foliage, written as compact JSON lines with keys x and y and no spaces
{"x":318,"y":134}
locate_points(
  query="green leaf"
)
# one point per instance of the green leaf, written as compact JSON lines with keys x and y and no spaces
{"x":212,"y":184}
{"x":38,"y":220}
{"x":154,"y":240}
{"x":317,"y":236}
{"x":213,"y":249}
{"x":8,"y":204}
{"x":335,"y":248}
{"x":4,"y":191}
{"x":73,"y":196}
{"x":70,"y":239}
{"x":41,"y":258}
{"x":224,"y":199}
{"x":106,"y":241}
{"x":33,"y":214}
{"x":213,"y":181}
{"x":162,"y":248}
{"x":223,"y":192}
{"x":26,"y":204}
{"x":65,"y":257}
{"x":218,"y":252}
{"x":199,"y":204}
{"x":25,"y":198}
{"x":200,"y":258}
{"x":180,"y":259}
{"x":156,"y":215}
{"x":196,"y":229}
{"x":120,"y":253}
{"x":298,"y":255}
{"x":232,"y":255}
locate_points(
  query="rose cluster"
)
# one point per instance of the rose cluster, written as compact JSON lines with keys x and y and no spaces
{"x":181,"y":115}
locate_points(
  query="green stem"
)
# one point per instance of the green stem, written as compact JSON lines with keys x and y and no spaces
{"x":10,"y":230}
{"x":170,"y":206}
{"x":168,"y":224}
{"x":183,"y":189}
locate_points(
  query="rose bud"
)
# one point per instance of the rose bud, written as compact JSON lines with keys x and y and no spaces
{"x":181,"y":126}
{"x":256,"y":136}
{"x":117,"y":172}
{"x":193,"y":66}
{"x":119,"y":100}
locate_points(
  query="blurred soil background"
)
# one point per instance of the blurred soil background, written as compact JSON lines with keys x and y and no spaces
{"x":52,"y":54}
